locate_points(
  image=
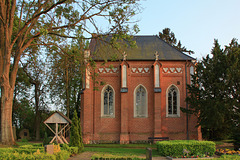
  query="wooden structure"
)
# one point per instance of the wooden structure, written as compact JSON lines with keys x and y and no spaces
{"x":62,"y":125}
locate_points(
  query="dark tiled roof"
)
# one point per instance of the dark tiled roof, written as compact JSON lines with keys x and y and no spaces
{"x":145,"y":50}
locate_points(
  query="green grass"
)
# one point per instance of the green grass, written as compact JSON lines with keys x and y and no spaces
{"x":117,"y":149}
{"x":122,"y":145}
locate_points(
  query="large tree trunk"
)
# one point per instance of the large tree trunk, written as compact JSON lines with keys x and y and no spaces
{"x":6,"y":114}
{"x":37,"y":116}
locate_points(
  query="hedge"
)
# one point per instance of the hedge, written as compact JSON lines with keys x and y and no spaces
{"x":177,"y":148}
{"x":20,"y":150}
{"x":62,"y":155}
{"x":30,"y":152}
{"x":115,"y":157}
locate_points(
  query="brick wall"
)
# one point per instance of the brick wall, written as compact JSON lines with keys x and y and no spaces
{"x":124,"y":127}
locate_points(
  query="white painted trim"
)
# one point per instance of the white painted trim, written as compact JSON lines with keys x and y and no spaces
{"x":124,"y":76}
{"x":157,"y":84}
{"x":134,"y":102}
{"x":178,"y":101}
{"x":102,"y":102}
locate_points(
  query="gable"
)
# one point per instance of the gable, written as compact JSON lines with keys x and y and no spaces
{"x":57,"y":118}
{"x":146,"y":47}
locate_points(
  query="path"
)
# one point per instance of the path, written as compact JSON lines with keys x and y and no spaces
{"x":87,"y":156}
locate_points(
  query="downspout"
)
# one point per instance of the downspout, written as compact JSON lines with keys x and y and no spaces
{"x":186,"y":102}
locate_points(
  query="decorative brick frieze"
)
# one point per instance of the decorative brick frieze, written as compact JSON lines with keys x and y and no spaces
{"x":140,"y":70}
{"x":172,"y":70}
{"x":108,"y":70}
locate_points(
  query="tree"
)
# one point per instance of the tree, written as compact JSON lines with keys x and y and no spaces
{"x":27,"y":24}
{"x":170,"y":38}
{"x":65,"y":80}
{"x":210,"y":94}
{"x":76,"y":133}
{"x":35,"y":70}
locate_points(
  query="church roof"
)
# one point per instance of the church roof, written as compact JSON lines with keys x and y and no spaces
{"x":146,"y":47}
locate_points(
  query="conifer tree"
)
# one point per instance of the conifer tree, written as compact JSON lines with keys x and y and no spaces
{"x":209,"y":97}
{"x":169,"y":37}
{"x":76,"y":133}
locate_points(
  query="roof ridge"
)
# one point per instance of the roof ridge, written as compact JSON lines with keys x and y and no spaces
{"x":175,"y":48}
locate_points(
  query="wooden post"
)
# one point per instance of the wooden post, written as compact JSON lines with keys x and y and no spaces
{"x":56,"y":134}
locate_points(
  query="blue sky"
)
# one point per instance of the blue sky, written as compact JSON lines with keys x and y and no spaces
{"x":195,"y":22}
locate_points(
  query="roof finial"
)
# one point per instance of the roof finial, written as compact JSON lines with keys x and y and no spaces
{"x":124,"y":56}
{"x":156,"y":55}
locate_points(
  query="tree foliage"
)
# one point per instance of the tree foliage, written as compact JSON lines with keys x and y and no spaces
{"x":76,"y":133}
{"x":26,"y":25}
{"x":213,"y":96}
{"x":65,"y":80}
{"x":168,"y":36}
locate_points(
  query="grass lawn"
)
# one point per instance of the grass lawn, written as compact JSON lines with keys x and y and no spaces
{"x":124,"y":149}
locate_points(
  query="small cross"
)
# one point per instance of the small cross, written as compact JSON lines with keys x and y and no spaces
{"x":124,"y":56}
{"x":156,"y":55}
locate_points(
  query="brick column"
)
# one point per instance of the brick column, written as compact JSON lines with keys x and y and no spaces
{"x":124,"y":136}
{"x":157,"y":98}
{"x":87,"y":103}
{"x":157,"y":114}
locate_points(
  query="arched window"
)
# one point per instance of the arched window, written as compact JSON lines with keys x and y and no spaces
{"x":108,"y":101}
{"x":173,"y":102}
{"x":140,"y":102}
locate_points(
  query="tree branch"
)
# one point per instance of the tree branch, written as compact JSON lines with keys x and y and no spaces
{"x":64,"y":36}
{"x":34,"y":18}
{"x":11,"y":20}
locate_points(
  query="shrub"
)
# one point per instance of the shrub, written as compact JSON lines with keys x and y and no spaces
{"x":20,"y":156}
{"x":39,"y":155}
{"x":24,"y":140}
{"x":179,"y":148}
{"x":62,"y":155}
{"x":236,"y":139}
{"x":76,"y":133}
{"x":46,"y":140}
{"x":21,"y":150}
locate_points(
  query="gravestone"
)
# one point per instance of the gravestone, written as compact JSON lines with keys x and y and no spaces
{"x":49,"y":149}
{"x":24,"y":134}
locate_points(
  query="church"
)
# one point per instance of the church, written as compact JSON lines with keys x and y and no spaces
{"x":137,"y":93}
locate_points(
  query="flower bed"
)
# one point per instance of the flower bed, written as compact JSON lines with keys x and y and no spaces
{"x":227,"y":151}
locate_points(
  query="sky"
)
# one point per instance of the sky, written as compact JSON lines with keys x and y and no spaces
{"x":195,"y":22}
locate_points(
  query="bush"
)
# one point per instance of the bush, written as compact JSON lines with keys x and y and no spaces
{"x":236,"y":139}
{"x":24,"y":140}
{"x":62,"y":155}
{"x":115,"y":157}
{"x":21,"y":150}
{"x":10,"y":154}
{"x":179,"y":148}
{"x":76,"y":133}
{"x":20,"y":156}
{"x":72,"y":150}
{"x":46,"y":140}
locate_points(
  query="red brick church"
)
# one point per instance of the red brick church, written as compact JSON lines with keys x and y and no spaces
{"x":137,"y":96}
